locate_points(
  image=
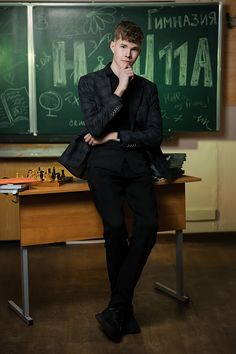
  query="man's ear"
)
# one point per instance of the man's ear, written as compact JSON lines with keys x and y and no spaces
{"x":112,"y":46}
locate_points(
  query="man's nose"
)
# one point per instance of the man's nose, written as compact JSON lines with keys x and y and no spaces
{"x":128,"y":53}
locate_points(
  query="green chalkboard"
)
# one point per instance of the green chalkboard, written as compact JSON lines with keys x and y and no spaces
{"x":181,"y":54}
{"x":14,"y":99}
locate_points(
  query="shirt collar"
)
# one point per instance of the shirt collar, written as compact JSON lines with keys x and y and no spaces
{"x":108,"y":70}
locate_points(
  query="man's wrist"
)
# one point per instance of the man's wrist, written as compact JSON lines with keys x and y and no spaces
{"x":119,"y":91}
{"x":112,"y":136}
{"x":115,"y":136}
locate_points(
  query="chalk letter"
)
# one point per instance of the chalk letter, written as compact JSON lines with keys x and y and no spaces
{"x":167,"y":51}
{"x":182,"y":51}
{"x":202,"y":61}
{"x":149,"y":61}
{"x":60,"y":64}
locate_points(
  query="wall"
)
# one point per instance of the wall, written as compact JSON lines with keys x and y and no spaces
{"x":211,"y":203}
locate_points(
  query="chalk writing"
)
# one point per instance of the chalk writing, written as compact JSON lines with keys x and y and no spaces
{"x":149,"y":60}
{"x":202,"y":62}
{"x":75,"y":123}
{"x":167,"y":53}
{"x":182,"y":53}
{"x":71,"y":98}
{"x":158,"y":22}
{"x":179,"y":53}
{"x":179,"y":101}
{"x":61,"y":64}
{"x":204,"y":121}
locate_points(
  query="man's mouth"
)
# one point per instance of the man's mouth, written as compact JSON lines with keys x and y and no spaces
{"x":127,"y":62}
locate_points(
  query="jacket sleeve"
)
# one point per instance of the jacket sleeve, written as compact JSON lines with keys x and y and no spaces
{"x":152,"y":132}
{"x":96,"y":114}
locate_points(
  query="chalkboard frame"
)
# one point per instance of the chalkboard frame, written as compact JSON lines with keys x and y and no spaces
{"x":33,"y":135}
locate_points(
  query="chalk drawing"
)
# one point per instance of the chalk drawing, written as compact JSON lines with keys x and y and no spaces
{"x":41,"y":22}
{"x":97,"y":19}
{"x":51,"y":101}
{"x":101,"y":64}
{"x":70,"y":30}
{"x":43,"y":61}
{"x":16,"y":105}
{"x":106,"y":38}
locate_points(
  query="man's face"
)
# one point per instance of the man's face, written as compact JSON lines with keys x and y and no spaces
{"x":124,"y":52}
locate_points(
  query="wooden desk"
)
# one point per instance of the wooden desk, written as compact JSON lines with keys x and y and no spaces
{"x":67,"y":213}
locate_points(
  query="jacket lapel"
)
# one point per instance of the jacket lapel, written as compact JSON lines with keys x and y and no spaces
{"x":135,"y":95}
{"x":105,"y":89}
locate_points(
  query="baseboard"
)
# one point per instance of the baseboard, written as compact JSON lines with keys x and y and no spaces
{"x":199,"y":237}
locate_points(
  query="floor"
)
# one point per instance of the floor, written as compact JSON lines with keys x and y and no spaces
{"x":68,"y":285}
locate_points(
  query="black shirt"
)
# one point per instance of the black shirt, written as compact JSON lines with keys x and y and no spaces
{"x":112,"y":155}
{"x":121,"y":120}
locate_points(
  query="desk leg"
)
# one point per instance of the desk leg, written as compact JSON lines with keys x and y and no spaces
{"x":178,"y":293}
{"x":23,"y":313}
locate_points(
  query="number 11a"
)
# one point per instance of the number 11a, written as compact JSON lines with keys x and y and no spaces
{"x":202,"y":62}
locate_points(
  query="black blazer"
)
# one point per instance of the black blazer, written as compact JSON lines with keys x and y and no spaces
{"x":99,"y":106}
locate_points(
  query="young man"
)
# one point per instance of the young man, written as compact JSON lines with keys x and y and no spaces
{"x":124,"y":132}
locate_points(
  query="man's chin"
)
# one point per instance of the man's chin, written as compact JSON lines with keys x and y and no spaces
{"x":125,"y":65}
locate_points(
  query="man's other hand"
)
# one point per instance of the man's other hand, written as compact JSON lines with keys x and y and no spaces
{"x":89,"y":139}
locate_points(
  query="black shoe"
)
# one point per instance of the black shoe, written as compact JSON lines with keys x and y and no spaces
{"x":131,"y":325}
{"x":111,"y":321}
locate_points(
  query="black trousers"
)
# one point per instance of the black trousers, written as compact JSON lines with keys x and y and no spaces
{"x":126,"y":256}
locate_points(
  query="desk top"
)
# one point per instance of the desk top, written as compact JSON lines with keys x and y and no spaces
{"x":82,"y":186}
